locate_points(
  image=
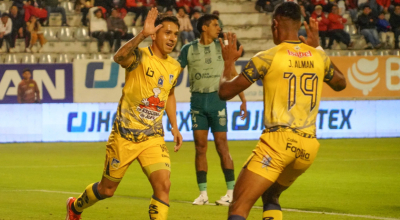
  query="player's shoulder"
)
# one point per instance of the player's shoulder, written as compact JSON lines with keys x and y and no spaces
{"x":266,"y":55}
{"x":173,"y":62}
{"x":188,"y":45}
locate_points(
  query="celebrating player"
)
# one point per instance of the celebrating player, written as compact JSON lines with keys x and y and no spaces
{"x":137,"y":132}
{"x":292,"y":75}
{"x":205,"y":62}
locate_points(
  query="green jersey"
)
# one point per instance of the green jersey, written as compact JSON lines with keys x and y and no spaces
{"x":205,"y":65}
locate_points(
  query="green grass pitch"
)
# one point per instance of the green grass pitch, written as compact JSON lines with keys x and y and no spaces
{"x":351,"y":178}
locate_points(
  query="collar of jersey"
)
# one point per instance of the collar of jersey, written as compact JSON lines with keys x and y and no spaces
{"x":293,"y":41}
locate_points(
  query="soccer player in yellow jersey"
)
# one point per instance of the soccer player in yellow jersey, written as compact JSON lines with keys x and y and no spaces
{"x":292,"y":74}
{"x":137,"y":132}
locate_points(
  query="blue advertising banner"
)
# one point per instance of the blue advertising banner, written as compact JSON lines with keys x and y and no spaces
{"x":94,"y":121}
{"x":54,"y":82}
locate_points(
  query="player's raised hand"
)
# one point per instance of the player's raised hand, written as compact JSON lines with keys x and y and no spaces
{"x":229,"y":47}
{"x":177,"y":139}
{"x":149,"y":28}
{"x":312,"y":33}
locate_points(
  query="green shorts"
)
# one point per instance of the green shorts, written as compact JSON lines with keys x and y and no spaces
{"x":208,"y":111}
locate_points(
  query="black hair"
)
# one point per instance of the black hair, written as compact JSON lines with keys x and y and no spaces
{"x":289,"y":10}
{"x":165,"y":17}
{"x":366,"y":6}
{"x":97,"y":10}
{"x":382,"y":13}
{"x":4,"y":15}
{"x":26,"y":70}
{"x":205,"y":20}
{"x":183,"y":9}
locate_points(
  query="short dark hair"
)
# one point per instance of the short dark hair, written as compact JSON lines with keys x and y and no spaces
{"x":26,"y":70}
{"x":5,"y":15}
{"x":205,"y":20}
{"x":165,"y":17}
{"x":366,"y":6}
{"x":97,"y":10}
{"x":289,"y":10}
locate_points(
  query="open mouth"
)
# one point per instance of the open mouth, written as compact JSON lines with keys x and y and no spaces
{"x":170,"y":45}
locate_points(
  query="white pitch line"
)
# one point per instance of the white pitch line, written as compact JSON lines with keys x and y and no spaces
{"x":366,"y":159}
{"x":213,"y":204}
{"x":52,"y":166}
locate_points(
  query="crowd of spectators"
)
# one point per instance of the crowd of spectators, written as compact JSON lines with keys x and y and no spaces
{"x":368,"y":17}
{"x":26,"y":18}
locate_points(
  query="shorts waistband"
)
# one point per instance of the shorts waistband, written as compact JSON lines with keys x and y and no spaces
{"x":286,"y":128}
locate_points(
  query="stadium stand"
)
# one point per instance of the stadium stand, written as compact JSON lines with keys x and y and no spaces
{"x":252,"y":28}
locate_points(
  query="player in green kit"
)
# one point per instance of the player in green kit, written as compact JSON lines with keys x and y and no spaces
{"x":205,"y":62}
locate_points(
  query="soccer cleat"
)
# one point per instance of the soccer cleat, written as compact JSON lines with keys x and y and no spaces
{"x":225,"y":200}
{"x":70,"y":214}
{"x":201,"y":200}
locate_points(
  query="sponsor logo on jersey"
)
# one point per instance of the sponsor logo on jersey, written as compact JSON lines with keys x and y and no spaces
{"x":160,"y":81}
{"x":299,"y":153}
{"x":152,"y":106}
{"x":299,"y":54}
{"x":115,"y":163}
{"x":171,"y":77}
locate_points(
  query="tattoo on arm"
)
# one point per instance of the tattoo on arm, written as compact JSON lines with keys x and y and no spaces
{"x":128,"y":49}
{"x":137,"y":56}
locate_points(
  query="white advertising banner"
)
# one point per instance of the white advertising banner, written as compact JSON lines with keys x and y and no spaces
{"x":103,"y":80}
{"x":93,"y":121}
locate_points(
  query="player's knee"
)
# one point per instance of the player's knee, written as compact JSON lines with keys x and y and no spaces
{"x":201,"y":148}
{"x":162,"y":187}
{"x":107,"y":192}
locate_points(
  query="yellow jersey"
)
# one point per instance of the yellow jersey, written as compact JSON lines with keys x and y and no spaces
{"x":292,"y":74}
{"x":148,"y":82}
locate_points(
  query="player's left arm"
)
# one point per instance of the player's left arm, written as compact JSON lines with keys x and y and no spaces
{"x":333,"y":76}
{"x":171,"y":113}
{"x":229,"y":88}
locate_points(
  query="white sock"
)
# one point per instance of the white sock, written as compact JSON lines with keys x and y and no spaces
{"x":229,"y":193}
{"x":204,"y":194}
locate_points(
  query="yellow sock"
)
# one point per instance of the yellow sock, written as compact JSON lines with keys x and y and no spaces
{"x":158,"y":210}
{"x":272,"y":212}
{"x":87,"y":198}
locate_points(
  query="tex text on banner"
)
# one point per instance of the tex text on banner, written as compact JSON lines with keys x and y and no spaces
{"x":54,"y":82}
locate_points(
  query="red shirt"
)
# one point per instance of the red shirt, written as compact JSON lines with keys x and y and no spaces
{"x":383,"y":3}
{"x":320,"y":2}
{"x":27,"y":91}
{"x":182,"y":3}
{"x":33,"y":11}
{"x":323,"y":23}
{"x":336,"y":21}
{"x":130,"y":3}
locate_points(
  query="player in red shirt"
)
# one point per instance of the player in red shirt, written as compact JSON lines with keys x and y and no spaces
{"x":28,"y":91}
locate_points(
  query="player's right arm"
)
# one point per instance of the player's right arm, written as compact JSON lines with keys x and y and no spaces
{"x":337,"y":81}
{"x":126,"y":55}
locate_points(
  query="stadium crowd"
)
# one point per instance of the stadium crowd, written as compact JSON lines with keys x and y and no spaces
{"x":25,"y":19}
{"x":378,"y":21}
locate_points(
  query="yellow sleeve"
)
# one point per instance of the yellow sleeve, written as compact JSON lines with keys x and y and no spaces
{"x":328,"y":67}
{"x":257,"y":67}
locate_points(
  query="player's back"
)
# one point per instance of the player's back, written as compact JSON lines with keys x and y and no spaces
{"x":292,"y":74}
